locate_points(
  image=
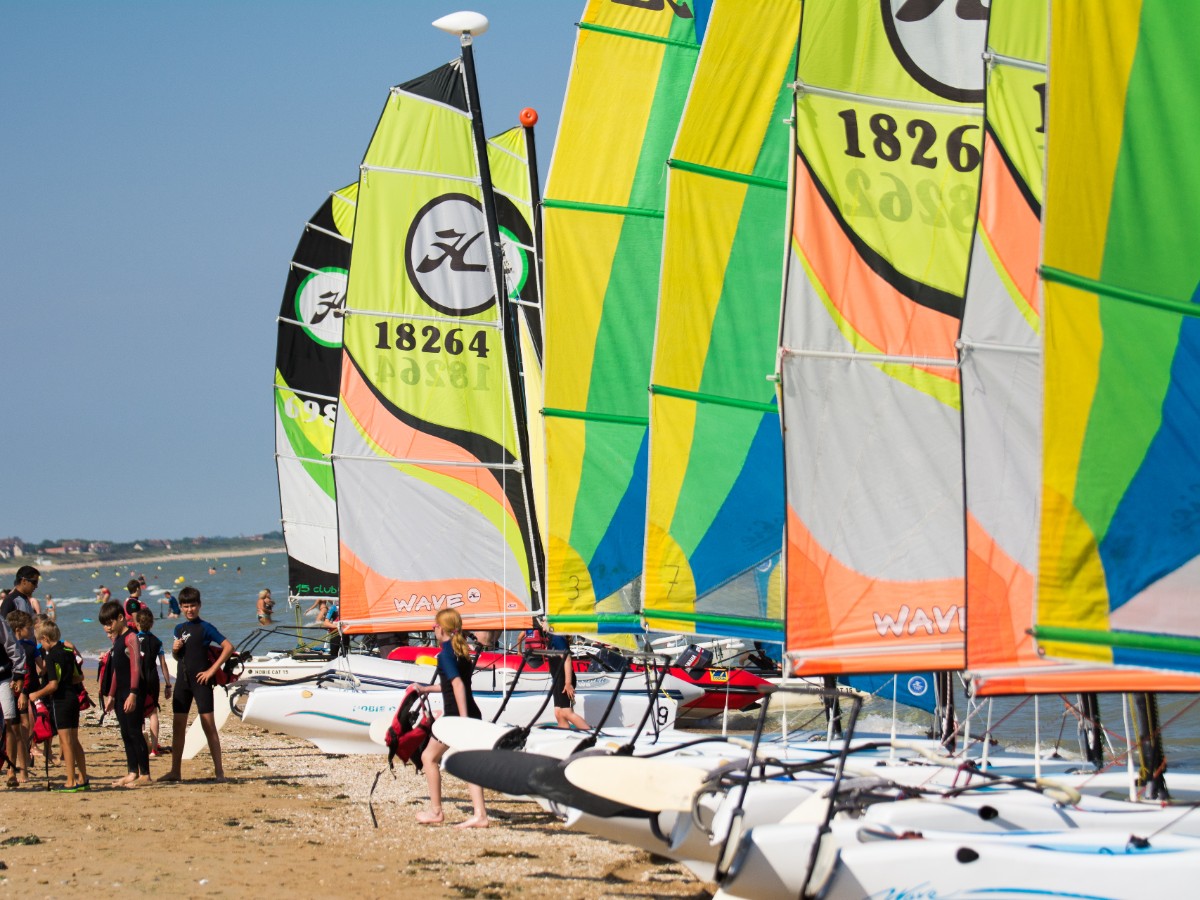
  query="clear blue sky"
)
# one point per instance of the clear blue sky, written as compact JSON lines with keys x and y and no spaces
{"x":159,"y":162}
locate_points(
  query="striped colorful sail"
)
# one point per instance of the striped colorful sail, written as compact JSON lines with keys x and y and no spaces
{"x":603,"y":222}
{"x":1119,"y":562}
{"x":889,"y":133}
{"x":1001,"y":380}
{"x":308,"y":367}
{"x":432,"y":506}
{"x":714,"y":532}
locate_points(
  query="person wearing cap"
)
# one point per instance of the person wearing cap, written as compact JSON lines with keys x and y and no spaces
{"x":12,"y":673}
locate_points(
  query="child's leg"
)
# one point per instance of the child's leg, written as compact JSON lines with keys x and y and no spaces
{"x":153,"y":723}
{"x":208,"y":722}
{"x":178,"y":733}
{"x":131,"y":736}
{"x":434,"y":751}
{"x":71,"y":740}
{"x":67,"y":740}
{"x":480,"y":817}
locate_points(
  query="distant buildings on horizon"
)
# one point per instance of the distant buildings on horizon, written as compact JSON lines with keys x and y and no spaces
{"x":14,"y":547}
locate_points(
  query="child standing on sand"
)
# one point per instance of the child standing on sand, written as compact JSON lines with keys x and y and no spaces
{"x":454,"y":669}
{"x":124,"y":689}
{"x":63,"y":676}
{"x":194,"y":680}
{"x":154,"y":659}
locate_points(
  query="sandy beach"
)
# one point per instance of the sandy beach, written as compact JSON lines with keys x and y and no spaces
{"x":293,"y":819}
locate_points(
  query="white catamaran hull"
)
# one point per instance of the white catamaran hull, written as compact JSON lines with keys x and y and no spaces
{"x":337,"y":717}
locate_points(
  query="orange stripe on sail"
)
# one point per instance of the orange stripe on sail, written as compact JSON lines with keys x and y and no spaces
{"x":884,"y":318}
{"x":1012,"y":227}
{"x":401,"y":441}
{"x":379,"y":603}
{"x":880,"y":626}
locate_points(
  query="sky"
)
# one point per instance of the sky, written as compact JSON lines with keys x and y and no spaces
{"x":159,"y":161}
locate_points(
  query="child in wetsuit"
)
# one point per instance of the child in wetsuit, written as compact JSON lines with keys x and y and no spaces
{"x":454,"y":669}
{"x":153,"y":660}
{"x":194,"y":681}
{"x":63,"y":677}
{"x":124,"y":689}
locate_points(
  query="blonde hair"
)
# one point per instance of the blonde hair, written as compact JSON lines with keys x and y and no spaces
{"x":451,"y":624}
{"x":48,"y":631}
{"x":264,"y":593}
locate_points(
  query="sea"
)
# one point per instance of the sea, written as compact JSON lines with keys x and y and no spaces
{"x":229,"y":589}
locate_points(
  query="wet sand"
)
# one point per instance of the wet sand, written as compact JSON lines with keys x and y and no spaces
{"x":295,"y":820}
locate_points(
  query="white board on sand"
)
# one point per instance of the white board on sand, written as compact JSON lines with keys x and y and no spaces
{"x":195,"y":741}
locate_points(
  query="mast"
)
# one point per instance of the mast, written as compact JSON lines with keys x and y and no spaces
{"x":467,"y":25}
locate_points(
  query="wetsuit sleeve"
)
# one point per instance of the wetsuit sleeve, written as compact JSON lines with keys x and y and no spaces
{"x":211,"y":635}
{"x":133,"y":650}
{"x":448,"y":664}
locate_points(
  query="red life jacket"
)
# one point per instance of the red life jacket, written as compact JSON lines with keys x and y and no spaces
{"x":409,"y":733}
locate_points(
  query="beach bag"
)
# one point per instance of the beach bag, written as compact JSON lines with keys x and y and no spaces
{"x":411,"y":727}
{"x":43,"y":725}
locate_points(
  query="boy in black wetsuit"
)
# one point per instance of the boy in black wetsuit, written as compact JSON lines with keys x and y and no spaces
{"x":152,"y":661}
{"x":124,"y":689}
{"x":194,"y":680}
{"x":61,"y":693}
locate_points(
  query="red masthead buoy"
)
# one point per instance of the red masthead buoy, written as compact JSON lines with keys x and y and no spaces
{"x":528,"y":117}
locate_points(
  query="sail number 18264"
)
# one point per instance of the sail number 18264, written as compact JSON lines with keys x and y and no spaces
{"x":430,"y":339}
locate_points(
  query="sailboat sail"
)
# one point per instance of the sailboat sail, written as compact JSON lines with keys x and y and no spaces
{"x":1119,"y":563}
{"x":714,"y":529}
{"x":888,"y":135}
{"x":308,"y":365}
{"x":433,"y":510}
{"x":603,"y":220}
{"x":1001,"y":380}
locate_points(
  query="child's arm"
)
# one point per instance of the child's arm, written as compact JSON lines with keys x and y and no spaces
{"x":50,"y":688}
{"x":460,"y":695}
{"x":211,"y":672}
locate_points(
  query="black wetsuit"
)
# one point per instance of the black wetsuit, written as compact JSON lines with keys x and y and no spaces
{"x":193,"y":659}
{"x":450,"y":667}
{"x":63,"y":667}
{"x":123,"y":678}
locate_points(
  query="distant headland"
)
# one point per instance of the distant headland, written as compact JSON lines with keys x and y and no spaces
{"x":80,"y":554}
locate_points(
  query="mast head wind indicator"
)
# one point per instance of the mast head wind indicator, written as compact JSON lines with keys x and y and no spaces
{"x":467,"y":24}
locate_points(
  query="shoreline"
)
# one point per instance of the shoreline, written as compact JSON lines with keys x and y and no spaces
{"x":9,"y":567}
{"x":295,"y":819}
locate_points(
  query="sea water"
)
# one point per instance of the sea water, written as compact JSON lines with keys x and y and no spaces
{"x":229,"y":589}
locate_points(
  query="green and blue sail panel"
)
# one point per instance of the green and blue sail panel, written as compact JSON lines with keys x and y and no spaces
{"x":889,"y":131}
{"x":715,"y":506}
{"x":603,"y":225}
{"x":1119,"y":565}
{"x":433,"y":511}
{"x":308,"y":367}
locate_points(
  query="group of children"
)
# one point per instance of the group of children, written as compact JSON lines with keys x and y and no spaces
{"x":47,"y":680}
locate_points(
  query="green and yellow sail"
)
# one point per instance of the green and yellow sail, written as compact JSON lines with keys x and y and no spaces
{"x":433,"y":510}
{"x":603,"y":224}
{"x":715,"y":507}
{"x":1119,"y":561}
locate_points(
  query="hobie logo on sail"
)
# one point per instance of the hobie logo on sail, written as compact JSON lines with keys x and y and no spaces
{"x":446,"y":254}
{"x":939,"y":43}
{"x":910,"y":620}
{"x":321,"y":305}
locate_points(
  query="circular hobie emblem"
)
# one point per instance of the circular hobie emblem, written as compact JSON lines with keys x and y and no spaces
{"x":446,"y":254}
{"x":321,"y":305}
{"x":918,"y":686}
{"x":940,"y":44}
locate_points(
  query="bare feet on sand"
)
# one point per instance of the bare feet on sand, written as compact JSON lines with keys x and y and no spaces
{"x":427,"y":817}
{"x":126,"y":781}
{"x":170,"y":776}
{"x":475,"y":822}
{"x":140,"y":781}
